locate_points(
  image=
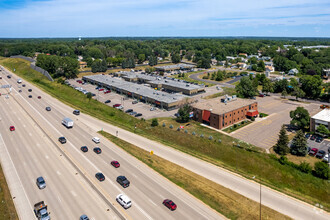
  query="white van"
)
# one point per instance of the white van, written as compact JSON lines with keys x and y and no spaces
{"x":67,"y":122}
{"x":96,"y":140}
{"x":124,"y":201}
{"x":19,"y":81}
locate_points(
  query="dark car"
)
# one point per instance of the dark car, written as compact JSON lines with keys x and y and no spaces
{"x":128,"y":110}
{"x":30,"y":90}
{"x":76,"y":112}
{"x":23,"y":85}
{"x":313,"y":137}
{"x":62,"y":140}
{"x":320,"y":154}
{"x":115,"y":163}
{"x":138,"y":115}
{"x":84,"y":148}
{"x":97,"y":150}
{"x":133,"y":113}
{"x":83,"y":217}
{"x":261,"y":95}
{"x":9,"y":76}
{"x":313,"y":151}
{"x":108,"y":101}
{"x":123,"y":181}
{"x":319,"y":139}
{"x":307,"y":135}
{"x":39,"y":97}
{"x":30,"y":96}
{"x":170,"y":204}
{"x":20,"y":90}
{"x":48,"y":109}
{"x":41,"y":182}
{"x":100,"y":176}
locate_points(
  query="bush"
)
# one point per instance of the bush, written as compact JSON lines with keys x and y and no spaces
{"x":305,"y":167}
{"x":283,"y":160}
{"x":193,"y":133}
{"x":253,"y":119}
{"x":202,"y":135}
{"x":178,"y":129}
{"x":242,"y":122}
{"x":219,"y":140}
{"x":171,"y":126}
{"x":235,"y":125}
{"x":164,"y":124}
{"x":154,"y":122}
{"x":261,"y":115}
{"x":112,"y":114}
{"x":186,"y":131}
{"x":321,"y":170}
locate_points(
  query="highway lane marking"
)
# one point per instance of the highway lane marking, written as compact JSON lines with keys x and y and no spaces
{"x":59,"y":199}
{"x":24,"y":163}
{"x":30,"y":134}
{"x":19,"y":118}
{"x":47,"y":157}
{"x":38,"y":145}
{"x":73,"y":193}
{"x":24,"y":125}
{"x":58,"y":173}
{"x":152,"y":202}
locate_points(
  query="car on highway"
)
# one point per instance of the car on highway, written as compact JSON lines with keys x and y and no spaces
{"x":39,"y":97}
{"x":115,"y":163}
{"x":134,"y":102}
{"x":123,"y":181}
{"x":41,"y":182}
{"x":12,"y":128}
{"x":107,"y":101}
{"x":84,"y":149}
{"x":100,"y":176}
{"x":84,"y":217}
{"x":30,"y":90}
{"x":76,"y":112}
{"x":9,"y":76}
{"x":138,"y":115}
{"x":313,"y":151}
{"x":124,"y":201}
{"x":107,"y":91}
{"x":20,"y":90}
{"x":48,"y":108}
{"x":313,"y":137}
{"x":97,"y":150}
{"x":320,"y":154}
{"x":30,"y":96}
{"x":170,"y":204}
{"x":128,"y":110}
{"x":23,"y":85}
{"x":96,"y":140}
{"x":133,"y":113}
{"x":0,"y":77}
{"x":319,"y":139}
{"x":62,"y":140}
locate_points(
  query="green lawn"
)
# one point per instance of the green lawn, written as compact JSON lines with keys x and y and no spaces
{"x":238,"y":126}
{"x":246,"y":161}
{"x":188,"y":79}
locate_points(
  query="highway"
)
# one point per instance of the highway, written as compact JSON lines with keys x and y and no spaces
{"x":72,"y":188}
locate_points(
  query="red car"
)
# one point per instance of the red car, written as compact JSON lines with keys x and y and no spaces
{"x":169,"y":204}
{"x":39,"y":97}
{"x":313,"y":151}
{"x":115,"y":163}
{"x":107,"y":91}
{"x":261,"y":95}
{"x":12,"y":128}
{"x":101,"y":90}
{"x":116,"y":105}
{"x":79,"y":81}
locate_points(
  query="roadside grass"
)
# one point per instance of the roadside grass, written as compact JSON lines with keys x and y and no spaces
{"x":243,"y":160}
{"x":205,"y":74}
{"x":226,"y":91}
{"x":7,"y":207}
{"x":235,"y":83}
{"x":238,"y":126}
{"x":222,"y":199}
{"x":188,"y":79}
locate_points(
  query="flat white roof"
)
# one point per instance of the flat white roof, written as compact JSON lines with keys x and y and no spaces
{"x":323,"y":115}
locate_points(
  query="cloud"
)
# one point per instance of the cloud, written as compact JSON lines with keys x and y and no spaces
{"x":63,"y":18}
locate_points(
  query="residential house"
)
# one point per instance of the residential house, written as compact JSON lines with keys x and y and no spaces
{"x":293,"y":72}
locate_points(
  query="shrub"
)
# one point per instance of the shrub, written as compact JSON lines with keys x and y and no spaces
{"x":202,"y":135}
{"x":253,"y":119}
{"x":235,"y":125}
{"x":112,"y":114}
{"x":321,"y":170}
{"x":178,"y":129}
{"x":283,"y":160}
{"x":164,"y":124}
{"x":242,"y":122}
{"x":171,"y":126}
{"x":261,"y":115}
{"x":154,"y":122}
{"x":305,"y":167}
{"x":186,"y":131}
{"x":193,"y":133}
{"x":210,"y":138}
{"x":219,"y":140}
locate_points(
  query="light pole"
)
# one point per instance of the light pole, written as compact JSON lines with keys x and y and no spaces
{"x":254,"y":177}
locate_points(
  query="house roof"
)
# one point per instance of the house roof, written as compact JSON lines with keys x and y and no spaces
{"x":323,"y":115}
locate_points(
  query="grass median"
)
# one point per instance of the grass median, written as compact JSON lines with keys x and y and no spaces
{"x":198,"y":141}
{"x":222,"y":199}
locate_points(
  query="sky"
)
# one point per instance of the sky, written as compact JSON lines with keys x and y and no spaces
{"x":167,"y":18}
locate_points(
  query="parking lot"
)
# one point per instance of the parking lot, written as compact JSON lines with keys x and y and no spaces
{"x":264,"y":131}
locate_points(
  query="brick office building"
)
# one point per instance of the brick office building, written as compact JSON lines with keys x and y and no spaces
{"x":223,"y":112}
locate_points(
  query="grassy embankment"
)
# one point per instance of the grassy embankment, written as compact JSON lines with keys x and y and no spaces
{"x":7,"y":207}
{"x":220,"y":198}
{"x":241,"y":160}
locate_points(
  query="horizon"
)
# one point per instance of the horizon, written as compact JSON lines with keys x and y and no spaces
{"x":167,"y":18}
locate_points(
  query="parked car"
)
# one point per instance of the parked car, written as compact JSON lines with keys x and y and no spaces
{"x":138,"y":115}
{"x":41,"y":182}
{"x":123,"y":181}
{"x":39,"y":97}
{"x":129,"y":110}
{"x":23,"y":85}
{"x":313,"y":151}
{"x":319,"y":139}
{"x":96,"y":140}
{"x":326,"y":158}
{"x":12,"y":128}
{"x":76,"y":112}
{"x":62,"y":140}
{"x":84,"y":149}
{"x":133,"y":113}
{"x":152,"y":109}
{"x":261,"y":95}
{"x":170,"y":204}
{"x":320,"y":154}
{"x":30,"y":90}
{"x":134,"y":102}
{"x":101,"y":89}
{"x":48,"y":109}
{"x":107,"y":101}
{"x":20,"y":90}
{"x":124,"y":201}
{"x":30,"y":96}
{"x":116,"y":105}
{"x":83,"y":217}
{"x":100,"y":176}
{"x":307,"y":135}
{"x":115,"y":163}
{"x":313,"y":137}
{"x":107,"y":91}
{"x":97,"y":150}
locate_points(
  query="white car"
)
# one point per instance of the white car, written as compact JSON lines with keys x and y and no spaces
{"x":152,"y":109}
{"x":326,"y":158}
{"x":96,"y":140}
{"x":124,"y":201}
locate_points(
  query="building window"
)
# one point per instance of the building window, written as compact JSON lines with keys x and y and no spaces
{"x":230,"y":115}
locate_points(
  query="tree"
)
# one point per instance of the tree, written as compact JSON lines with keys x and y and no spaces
{"x":176,"y":58}
{"x":267,"y":86}
{"x":300,"y":118}
{"x":89,"y":96}
{"x":284,"y":93}
{"x":299,"y":144}
{"x":281,"y":147}
{"x":245,"y":87}
{"x":298,"y":92}
{"x":311,"y":85}
{"x":153,"y":60}
{"x":154,"y":122}
{"x":321,"y":170}
{"x":323,"y":130}
{"x":183,"y":113}
{"x":142,"y":58}
{"x":261,"y":66}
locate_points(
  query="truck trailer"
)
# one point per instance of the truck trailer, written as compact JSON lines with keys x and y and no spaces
{"x":67,"y":122}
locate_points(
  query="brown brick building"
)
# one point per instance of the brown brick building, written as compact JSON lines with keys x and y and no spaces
{"x":218,"y":114}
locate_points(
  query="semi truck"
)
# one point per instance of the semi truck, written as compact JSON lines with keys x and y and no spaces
{"x":40,"y":210}
{"x":67,"y":122}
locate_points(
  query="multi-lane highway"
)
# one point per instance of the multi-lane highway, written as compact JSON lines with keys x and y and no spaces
{"x":33,"y":150}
